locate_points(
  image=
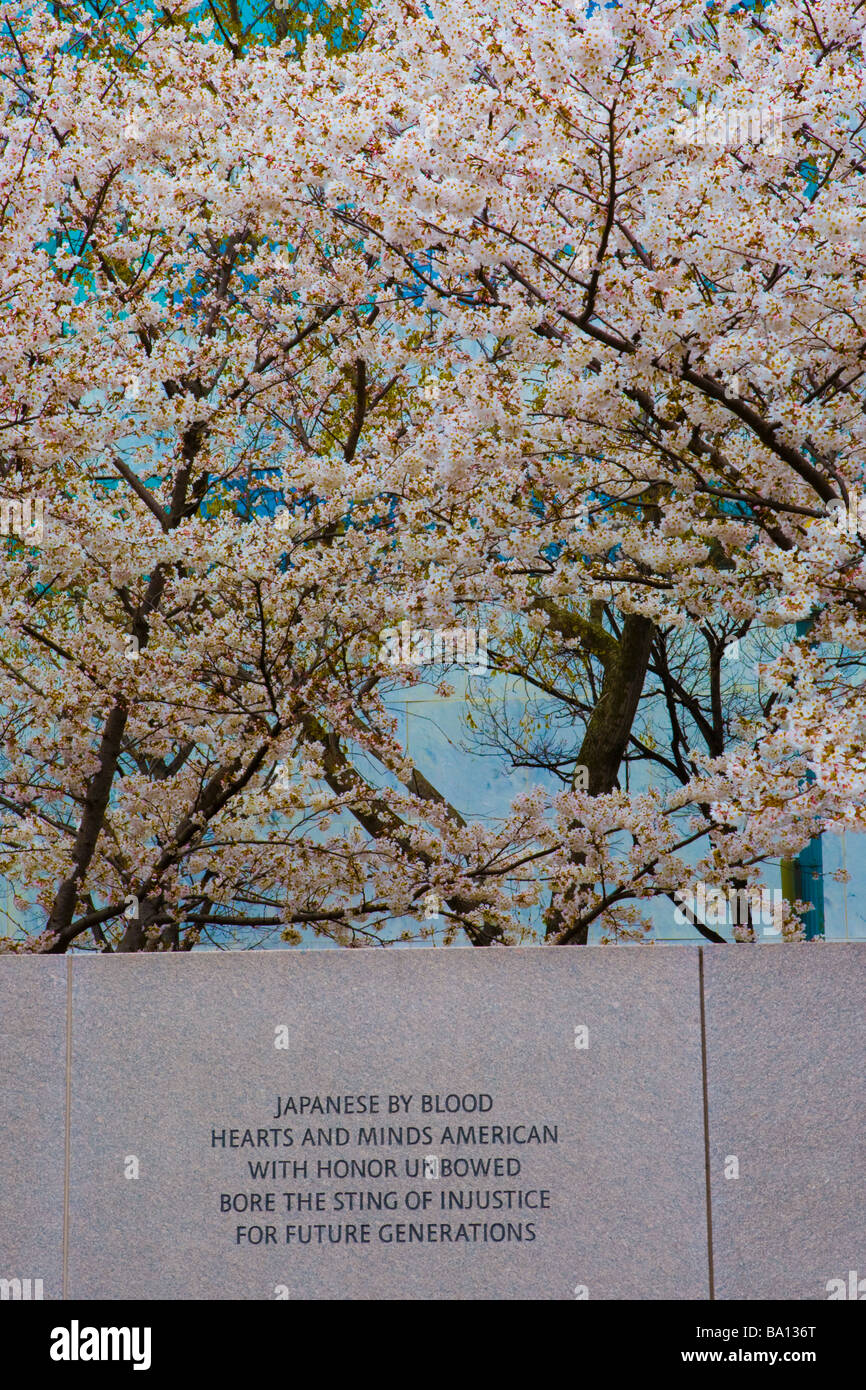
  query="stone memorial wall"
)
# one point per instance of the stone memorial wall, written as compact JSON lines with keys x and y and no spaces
{"x":601,"y":1123}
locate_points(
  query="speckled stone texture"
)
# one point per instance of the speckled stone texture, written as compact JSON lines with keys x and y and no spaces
{"x":786,"y":1057}
{"x":167,"y":1049}
{"x":32,"y":1134}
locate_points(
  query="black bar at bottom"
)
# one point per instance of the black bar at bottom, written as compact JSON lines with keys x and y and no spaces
{"x":236,"y":1343}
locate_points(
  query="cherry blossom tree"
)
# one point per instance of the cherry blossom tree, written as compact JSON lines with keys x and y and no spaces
{"x":192,"y":643}
{"x":475,"y":318}
{"x":669,"y":307}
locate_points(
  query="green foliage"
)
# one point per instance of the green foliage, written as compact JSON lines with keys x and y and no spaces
{"x":114,"y":29}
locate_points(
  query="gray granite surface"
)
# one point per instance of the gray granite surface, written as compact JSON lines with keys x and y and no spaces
{"x":169,"y":1050}
{"x":182,"y":1182}
{"x":32,"y":1133}
{"x":786,"y":1070}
